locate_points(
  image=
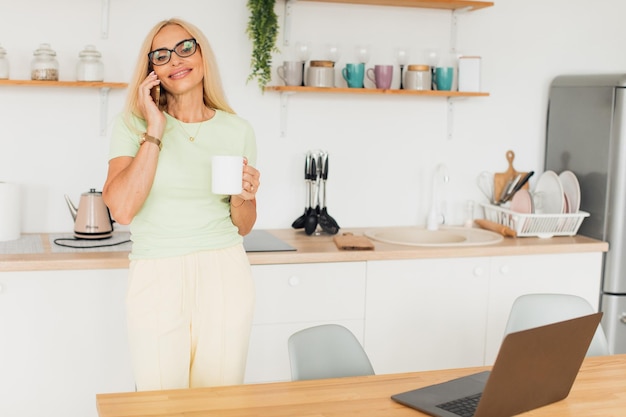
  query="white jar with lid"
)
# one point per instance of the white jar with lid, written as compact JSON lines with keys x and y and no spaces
{"x":418,"y":77}
{"x":44,"y":66}
{"x":4,"y":64}
{"x":89,"y":68}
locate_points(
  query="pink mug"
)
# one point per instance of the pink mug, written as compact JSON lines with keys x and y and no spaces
{"x":381,"y":75}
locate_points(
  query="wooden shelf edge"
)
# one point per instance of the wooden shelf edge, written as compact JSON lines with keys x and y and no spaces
{"x":429,"y":93}
{"x":426,"y":4}
{"x":80,"y":84}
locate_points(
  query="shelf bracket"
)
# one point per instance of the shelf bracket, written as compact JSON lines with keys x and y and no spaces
{"x":284,"y":104}
{"x":104,"y":104}
{"x":104,"y":24}
{"x":454,"y":26}
{"x":450,"y":118}
{"x":287,"y":22}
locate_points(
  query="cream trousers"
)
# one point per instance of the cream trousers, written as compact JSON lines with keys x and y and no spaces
{"x":189,"y":319}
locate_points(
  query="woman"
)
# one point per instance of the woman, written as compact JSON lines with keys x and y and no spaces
{"x":190,"y":296}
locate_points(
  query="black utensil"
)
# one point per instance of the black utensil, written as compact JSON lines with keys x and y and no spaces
{"x":508,"y":189}
{"x":300,"y":221}
{"x":518,"y":186}
{"x":326,"y":221}
{"x":523,"y":181}
{"x":310,"y":223}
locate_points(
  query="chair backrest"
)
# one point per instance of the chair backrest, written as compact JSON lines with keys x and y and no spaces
{"x":327,"y":351}
{"x":533,"y":310}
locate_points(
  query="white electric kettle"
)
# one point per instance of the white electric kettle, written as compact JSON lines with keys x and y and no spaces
{"x":92,"y":219}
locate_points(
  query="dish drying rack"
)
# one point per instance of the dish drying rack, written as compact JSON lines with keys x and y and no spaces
{"x":536,"y":225}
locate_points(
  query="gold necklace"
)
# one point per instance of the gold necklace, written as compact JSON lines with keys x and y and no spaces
{"x":191,"y":137}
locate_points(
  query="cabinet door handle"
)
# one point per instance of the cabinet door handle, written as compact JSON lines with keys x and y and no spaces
{"x":479,"y":271}
{"x":622,"y":318}
{"x":294,"y":281}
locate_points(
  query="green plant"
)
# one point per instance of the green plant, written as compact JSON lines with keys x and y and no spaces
{"x":262,"y":30}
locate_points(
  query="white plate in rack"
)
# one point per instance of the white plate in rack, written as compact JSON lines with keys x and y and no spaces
{"x":548,"y":195}
{"x":571,"y":190}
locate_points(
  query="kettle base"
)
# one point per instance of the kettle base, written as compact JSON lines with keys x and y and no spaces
{"x":93,"y":236}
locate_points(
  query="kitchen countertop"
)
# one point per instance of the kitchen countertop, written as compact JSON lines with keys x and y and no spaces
{"x":309,"y":249}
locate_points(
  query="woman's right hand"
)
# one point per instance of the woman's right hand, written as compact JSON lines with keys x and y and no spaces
{"x":154,"y":117}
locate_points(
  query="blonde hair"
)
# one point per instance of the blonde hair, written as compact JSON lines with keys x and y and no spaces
{"x":213,"y":92}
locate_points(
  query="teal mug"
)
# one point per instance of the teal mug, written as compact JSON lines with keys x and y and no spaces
{"x":443,"y":78}
{"x":354,"y":74}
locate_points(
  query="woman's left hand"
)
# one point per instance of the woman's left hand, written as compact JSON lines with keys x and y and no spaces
{"x":250,"y":181}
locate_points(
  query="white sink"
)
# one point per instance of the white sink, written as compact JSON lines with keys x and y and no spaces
{"x":445,"y":236}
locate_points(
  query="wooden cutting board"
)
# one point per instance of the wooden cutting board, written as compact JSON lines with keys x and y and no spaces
{"x":501,"y":179}
{"x":349,"y":241}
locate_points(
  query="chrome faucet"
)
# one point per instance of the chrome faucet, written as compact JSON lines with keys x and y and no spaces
{"x":436,"y":216}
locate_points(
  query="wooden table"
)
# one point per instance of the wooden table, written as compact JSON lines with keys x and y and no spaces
{"x":599,"y":390}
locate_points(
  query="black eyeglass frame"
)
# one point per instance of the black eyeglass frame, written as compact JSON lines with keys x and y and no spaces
{"x":169,"y":52}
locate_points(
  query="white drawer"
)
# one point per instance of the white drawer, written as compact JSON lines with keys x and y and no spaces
{"x":309,"y":292}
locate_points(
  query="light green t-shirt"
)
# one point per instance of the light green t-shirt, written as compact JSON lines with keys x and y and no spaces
{"x":181,"y":215}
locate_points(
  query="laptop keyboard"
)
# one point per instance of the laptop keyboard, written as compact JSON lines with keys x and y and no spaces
{"x":464,"y":407}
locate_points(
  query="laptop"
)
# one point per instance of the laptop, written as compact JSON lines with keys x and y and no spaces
{"x":534,"y":367}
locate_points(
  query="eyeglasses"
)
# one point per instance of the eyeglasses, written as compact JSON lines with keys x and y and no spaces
{"x":183,"y":49}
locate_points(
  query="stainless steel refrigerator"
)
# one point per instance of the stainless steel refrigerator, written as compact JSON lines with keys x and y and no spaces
{"x":586,"y":133}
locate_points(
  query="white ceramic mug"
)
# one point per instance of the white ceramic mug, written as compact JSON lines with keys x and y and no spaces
{"x":226,"y":174}
{"x":291,"y":72}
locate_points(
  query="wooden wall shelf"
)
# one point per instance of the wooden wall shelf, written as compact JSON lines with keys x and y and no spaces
{"x":426,"y":4}
{"x":83,"y":84}
{"x":346,"y":90}
{"x":455,"y":6}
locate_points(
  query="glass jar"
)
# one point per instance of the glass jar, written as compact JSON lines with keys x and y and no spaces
{"x":44,"y":66}
{"x":4,"y":64}
{"x":89,"y":67}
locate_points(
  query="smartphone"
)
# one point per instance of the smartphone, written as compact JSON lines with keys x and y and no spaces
{"x":155,"y":92}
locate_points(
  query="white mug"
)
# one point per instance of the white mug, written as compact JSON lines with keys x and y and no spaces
{"x":226,"y":174}
{"x":291,"y":72}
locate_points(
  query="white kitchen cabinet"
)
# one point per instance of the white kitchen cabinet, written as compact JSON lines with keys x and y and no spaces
{"x":512,"y":276}
{"x":296,"y":296}
{"x":62,"y":340}
{"x":441,"y":313}
{"x":426,"y":314}
{"x":63,"y":333}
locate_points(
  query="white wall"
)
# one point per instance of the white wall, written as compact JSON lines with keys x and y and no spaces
{"x":383,"y":150}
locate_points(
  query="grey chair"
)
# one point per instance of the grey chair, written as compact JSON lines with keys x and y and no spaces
{"x":533,"y":310}
{"x":326,"y":351}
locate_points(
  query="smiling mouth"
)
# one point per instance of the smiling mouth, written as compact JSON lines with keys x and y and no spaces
{"x":180,"y":74}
